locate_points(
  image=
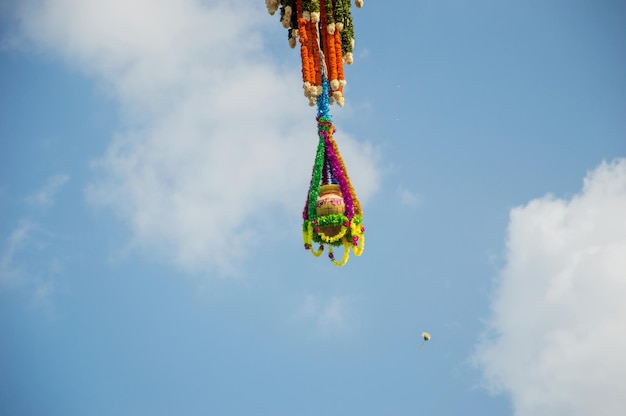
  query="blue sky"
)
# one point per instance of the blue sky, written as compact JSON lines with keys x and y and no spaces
{"x":154,"y":161}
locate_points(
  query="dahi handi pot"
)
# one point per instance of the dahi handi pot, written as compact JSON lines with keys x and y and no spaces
{"x":330,"y":201}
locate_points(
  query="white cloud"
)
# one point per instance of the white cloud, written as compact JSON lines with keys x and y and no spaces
{"x":45,"y":196}
{"x":559,"y":316}
{"x":220,"y":139}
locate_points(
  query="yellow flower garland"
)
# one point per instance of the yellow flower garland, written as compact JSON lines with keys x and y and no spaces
{"x":319,"y":251}
{"x":338,"y":237}
{"x":346,"y":255}
{"x":357,"y":244}
{"x":307,"y":236}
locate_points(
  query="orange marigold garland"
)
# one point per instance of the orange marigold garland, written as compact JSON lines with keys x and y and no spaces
{"x":332,"y":214}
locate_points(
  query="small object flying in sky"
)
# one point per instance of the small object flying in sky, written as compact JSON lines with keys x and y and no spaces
{"x":425,"y":337}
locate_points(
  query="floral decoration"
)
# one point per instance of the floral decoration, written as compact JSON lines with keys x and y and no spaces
{"x":325,"y":32}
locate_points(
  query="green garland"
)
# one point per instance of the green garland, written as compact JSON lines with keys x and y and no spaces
{"x":318,"y":167}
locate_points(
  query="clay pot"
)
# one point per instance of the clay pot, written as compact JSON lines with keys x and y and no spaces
{"x":330,"y":201}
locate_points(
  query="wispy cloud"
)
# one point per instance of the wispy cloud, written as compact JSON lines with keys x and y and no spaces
{"x":407,"y":197}
{"x":45,"y":196}
{"x":218,"y":134}
{"x":45,"y":293}
{"x":333,"y":314}
{"x":27,"y":262}
{"x":327,"y":316}
{"x":26,"y":265}
{"x":10,"y":272}
{"x":557,"y":332}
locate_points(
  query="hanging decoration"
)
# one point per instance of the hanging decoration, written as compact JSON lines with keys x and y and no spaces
{"x":332,"y":214}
